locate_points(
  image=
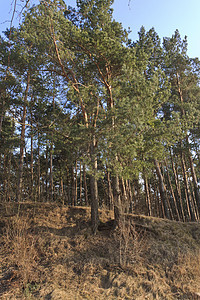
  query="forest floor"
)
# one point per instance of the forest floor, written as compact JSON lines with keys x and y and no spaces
{"x":49,"y":252}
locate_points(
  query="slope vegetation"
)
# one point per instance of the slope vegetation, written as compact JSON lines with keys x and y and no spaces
{"x":49,"y":252}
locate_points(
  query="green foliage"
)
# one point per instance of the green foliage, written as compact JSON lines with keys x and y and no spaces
{"x":93,"y":88}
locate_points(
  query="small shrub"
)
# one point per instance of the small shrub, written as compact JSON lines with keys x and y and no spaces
{"x":22,"y":250}
{"x":132,"y":243}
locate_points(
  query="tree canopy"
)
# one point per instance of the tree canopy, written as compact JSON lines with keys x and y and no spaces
{"x":90,"y":117}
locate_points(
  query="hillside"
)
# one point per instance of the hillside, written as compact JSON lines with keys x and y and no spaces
{"x":49,"y":252}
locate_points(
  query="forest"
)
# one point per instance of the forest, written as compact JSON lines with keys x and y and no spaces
{"x":89,"y":117}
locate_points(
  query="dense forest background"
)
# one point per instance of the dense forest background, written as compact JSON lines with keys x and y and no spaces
{"x":90,"y":117}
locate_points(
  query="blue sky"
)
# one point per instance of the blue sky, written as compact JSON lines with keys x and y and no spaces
{"x":164,"y":15}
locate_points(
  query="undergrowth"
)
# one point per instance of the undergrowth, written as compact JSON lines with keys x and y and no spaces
{"x":49,"y":252}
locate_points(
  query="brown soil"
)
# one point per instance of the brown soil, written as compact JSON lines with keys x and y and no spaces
{"x":49,"y":252}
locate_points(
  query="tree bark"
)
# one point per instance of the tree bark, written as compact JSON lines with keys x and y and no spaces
{"x":39,"y":175}
{"x":148,"y":200}
{"x":110,"y":193}
{"x":117,"y":200}
{"x":51,"y":172}
{"x":94,"y":188}
{"x":178,"y":190}
{"x":172,"y":193}
{"x":75,"y":191}
{"x":162,"y":190}
{"x":73,"y":200}
{"x":124,"y":196}
{"x":130,"y":195}
{"x":195,"y":183}
{"x":31,"y":162}
{"x":22,"y":141}
{"x":85,"y":185}
{"x":191,"y":211}
{"x":80,"y":183}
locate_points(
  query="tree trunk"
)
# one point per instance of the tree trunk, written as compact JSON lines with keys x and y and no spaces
{"x":2,"y":110}
{"x":61,"y":190}
{"x":162,"y":190}
{"x":148,"y":200}
{"x":73,"y":201}
{"x":172,"y":193}
{"x":51,"y":173}
{"x":39,"y":189}
{"x":85,"y":185}
{"x":195,"y":183}
{"x":80,"y":184}
{"x":75,"y":187}
{"x":125,"y":198}
{"x":47,"y":174}
{"x":178,"y":190}
{"x":94,"y":188}
{"x":187,"y":191}
{"x":130,"y":195}
{"x":22,"y":141}
{"x":110,"y":193}
{"x":117,"y":200}
{"x":193,"y":199}
{"x":31,"y":166}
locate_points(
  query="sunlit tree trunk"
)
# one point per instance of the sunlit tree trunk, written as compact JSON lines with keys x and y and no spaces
{"x":191,"y":212}
{"x":94,"y":188}
{"x":172,"y":193}
{"x":73,"y":201}
{"x":117,"y":200}
{"x":38,"y":169}
{"x":148,"y":200}
{"x":80,"y":183}
{"x":75,"y":188}
{"x":178,"y":190}
{"x":22,"y":140}
{"x":51,"y":173}
{"x":195,"y":183}
{"x":110,"y":193}
{"x":162,"y":190}
{"x":85,"y":185}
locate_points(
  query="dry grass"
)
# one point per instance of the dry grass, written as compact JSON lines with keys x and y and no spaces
{"x":49,"y":252}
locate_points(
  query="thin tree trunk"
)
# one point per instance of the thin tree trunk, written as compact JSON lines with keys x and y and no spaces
{"x":75,"y":190}
{"x":172,"y":193}
{"x":194,"y":199}
{"x":5,"y":179}
{"x":187,"y":190}
{"x":134,"y":197}
{"x":69,"y":187}
{"x":2,"y":110}
{"x":130,"y":195}
{"x":85,"y":185}
{"x":178,"y":190}
{"x":162,"y":190}
{"x":22,"y":141}
{"x":73,"y":202}
{"x":51,"y":172}
{"x":47,"y":175}
{"x":94,"y":188}
{"x":31,"y":163}
{"x":80,"y":183}
{"x":125,"y":198}
{"x":148,"y":200}
{"x":39,"y":189}
{"x":110,"y":193}
{"x":195,"y":183}
{"x":61,"y":191}
{"x":117,"y":200}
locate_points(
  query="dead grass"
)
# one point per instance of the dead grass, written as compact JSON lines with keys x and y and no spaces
{"x":49,"y":252}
